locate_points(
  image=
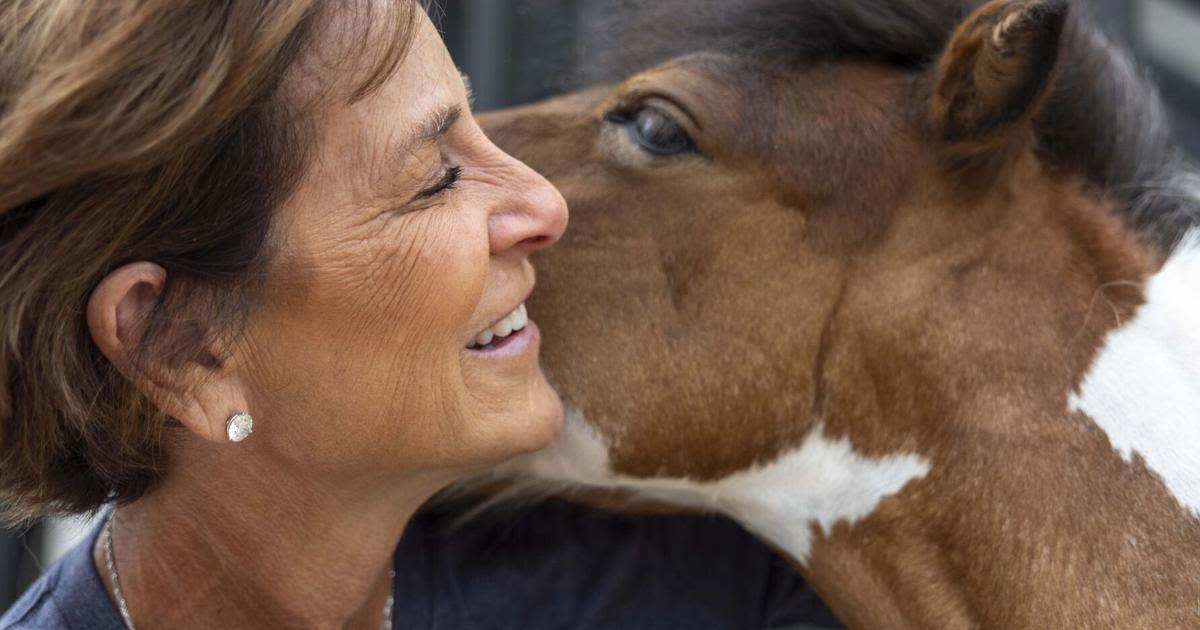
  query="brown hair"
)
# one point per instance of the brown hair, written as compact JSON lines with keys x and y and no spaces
{"x":138,"y":130}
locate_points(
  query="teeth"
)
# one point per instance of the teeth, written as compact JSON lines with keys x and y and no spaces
{"x":515,"y":322}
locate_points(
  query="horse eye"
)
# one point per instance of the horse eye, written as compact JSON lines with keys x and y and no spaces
{"x":653,"y":130}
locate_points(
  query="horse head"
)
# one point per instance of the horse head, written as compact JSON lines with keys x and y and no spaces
{"x":902,"y":288}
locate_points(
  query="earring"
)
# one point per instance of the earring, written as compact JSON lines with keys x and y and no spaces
{"x":239,"y":426}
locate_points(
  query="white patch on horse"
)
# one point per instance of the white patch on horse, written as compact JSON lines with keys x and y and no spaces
{"x":1143,"y":389}
{"x":577,"y":455}
{"x":821,"y":483}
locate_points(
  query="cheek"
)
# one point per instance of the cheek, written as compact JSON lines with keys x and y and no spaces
{"x":389,"y":305}
{"x":442,"y":273}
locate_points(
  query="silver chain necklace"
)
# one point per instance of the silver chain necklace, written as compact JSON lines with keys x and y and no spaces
{"x":123,"y":608}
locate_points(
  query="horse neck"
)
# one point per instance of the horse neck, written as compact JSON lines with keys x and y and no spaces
{"x":1029,"y":460}
{"x":965,"y":469}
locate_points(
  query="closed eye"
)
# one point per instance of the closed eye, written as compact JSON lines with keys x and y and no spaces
{"x":446,"y":182}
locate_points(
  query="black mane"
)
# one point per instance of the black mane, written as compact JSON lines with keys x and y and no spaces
{"x":1102,"y":120}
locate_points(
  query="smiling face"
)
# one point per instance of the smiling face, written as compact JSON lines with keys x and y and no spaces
{"x":393,"y":334}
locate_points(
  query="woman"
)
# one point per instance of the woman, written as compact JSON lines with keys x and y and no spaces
{"x":262,"y":280}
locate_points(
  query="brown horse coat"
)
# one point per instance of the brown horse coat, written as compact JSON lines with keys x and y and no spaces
{"x":905,"y":320}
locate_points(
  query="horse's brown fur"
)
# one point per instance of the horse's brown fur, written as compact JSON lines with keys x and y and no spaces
{"x":820,"y":260}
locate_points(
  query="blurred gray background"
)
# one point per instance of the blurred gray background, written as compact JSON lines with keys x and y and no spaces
{"x":517,"y":51}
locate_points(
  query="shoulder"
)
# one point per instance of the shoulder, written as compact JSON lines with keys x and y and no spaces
{"x":570,"y":534}
{"x":68,"y":595}
{"x":37,"y":607}
{"x":562,"y":565}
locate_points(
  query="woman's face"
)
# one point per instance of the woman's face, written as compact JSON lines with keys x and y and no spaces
{"x":405,"y":249}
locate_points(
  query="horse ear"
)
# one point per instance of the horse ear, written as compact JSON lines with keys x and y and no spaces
{"x":995,"y":69}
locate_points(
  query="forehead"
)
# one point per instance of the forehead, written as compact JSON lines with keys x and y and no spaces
{"x":426,"y":78}
{"x":363,"y":151}
{"x":814,"y":125}
{"x":838,"y":141}
{"x":370,"y":51}
{"x":766,"y":106}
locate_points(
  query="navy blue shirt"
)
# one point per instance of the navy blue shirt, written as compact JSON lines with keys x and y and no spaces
{"x":551,"y":566}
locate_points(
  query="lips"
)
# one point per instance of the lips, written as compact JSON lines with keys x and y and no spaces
{"x":513,"y":323}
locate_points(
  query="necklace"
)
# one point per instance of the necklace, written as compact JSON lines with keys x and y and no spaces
{"x":123,"y":608}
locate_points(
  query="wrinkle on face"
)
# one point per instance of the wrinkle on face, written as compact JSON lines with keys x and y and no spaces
{"x":359,"y":349}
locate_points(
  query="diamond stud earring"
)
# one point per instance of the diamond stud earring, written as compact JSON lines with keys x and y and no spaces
{"x":239,"y":426}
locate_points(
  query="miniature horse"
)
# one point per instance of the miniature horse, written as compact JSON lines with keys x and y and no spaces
{"x":907,"y":289}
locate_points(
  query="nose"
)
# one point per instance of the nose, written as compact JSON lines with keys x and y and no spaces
{"x":532,"y":215}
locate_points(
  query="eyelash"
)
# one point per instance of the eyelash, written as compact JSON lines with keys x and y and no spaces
{"x":448,"y":181}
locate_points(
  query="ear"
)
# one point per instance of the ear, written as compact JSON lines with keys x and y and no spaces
{"x":200,"y":394}
{"x":995,"y":70}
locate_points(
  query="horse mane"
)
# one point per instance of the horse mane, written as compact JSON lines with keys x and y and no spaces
{"x":1103,"y":120}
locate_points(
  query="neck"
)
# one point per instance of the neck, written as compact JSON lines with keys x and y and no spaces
{"x":277,"y":548}
{"x":1057,"y":484}
{"x":984,"y":484}
{"x":1054,"y":530}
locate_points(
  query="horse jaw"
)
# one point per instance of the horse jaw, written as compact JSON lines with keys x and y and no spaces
{"x":1143,"y":389}
{"x":803,"y":493}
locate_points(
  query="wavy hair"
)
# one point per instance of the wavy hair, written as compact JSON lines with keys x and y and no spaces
{"x":141,"y":130}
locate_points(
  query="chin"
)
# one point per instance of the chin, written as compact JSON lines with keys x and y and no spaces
{"x":532,"y":428}
{"x":545,"y":420}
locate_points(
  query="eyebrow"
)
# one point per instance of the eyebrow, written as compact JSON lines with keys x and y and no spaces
{"x":466,"y":79}
{"x":436,"y":125}
{"x":427,"y":132}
